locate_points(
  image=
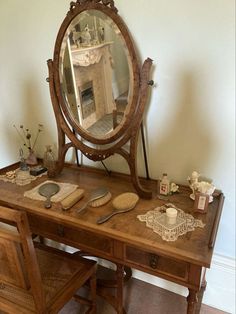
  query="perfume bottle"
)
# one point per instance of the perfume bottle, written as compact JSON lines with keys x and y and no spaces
{"x":49,"y":162}
{"x":164,"y":185}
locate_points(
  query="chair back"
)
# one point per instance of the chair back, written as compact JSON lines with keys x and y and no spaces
{"x":19,"y":270}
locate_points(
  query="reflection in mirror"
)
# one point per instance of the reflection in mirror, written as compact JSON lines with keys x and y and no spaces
{"x":96,"y":73}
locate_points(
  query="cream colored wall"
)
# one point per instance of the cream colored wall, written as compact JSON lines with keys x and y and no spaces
{"x":190,"y":119}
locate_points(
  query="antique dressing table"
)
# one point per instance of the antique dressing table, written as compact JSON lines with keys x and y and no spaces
{"x":99,"y":93}
{"x":123,"y":239}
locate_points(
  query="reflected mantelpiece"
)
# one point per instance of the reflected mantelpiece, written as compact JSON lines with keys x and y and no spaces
{"x":92,"y":68}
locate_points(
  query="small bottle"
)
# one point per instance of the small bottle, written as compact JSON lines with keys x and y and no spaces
{"x":201,"y":202}
{"x":164,"y":185}
{"x":49,"y":162}
{"x":23,"y":173}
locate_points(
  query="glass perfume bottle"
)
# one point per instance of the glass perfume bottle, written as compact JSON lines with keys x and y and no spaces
{"x":49,"y":162}
{"x":164,"y":185}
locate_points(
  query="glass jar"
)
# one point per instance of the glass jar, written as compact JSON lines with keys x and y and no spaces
{"x":49,"y":162}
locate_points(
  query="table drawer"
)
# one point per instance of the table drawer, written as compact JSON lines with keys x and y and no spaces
{"x":157,"y":264}
{"x":81,"y":239}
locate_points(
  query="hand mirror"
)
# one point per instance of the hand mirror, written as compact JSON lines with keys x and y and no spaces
{"x":48,"y":190}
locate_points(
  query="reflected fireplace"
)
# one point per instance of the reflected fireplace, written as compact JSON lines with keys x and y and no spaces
{"x":87,"y":100}
{"x":93,"y":77}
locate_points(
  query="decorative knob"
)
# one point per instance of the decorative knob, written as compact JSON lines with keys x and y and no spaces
{"x":60,"y":231}
{"x":153,"y":261}
{"x":151,"y":82}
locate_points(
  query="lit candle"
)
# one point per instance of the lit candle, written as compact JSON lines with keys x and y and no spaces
{"x":171,"y":215}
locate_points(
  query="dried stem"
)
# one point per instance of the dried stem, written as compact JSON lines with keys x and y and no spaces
{"x":26,"y":135}
{"x":37,"y":135}
{"x":20,"y":135}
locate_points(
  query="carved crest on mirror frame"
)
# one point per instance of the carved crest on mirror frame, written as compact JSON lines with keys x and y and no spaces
{"x":109,"y":3}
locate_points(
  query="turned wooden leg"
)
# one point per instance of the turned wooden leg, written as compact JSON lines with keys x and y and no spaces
{"x":93,"y":291}
{"x":200,"y":297}
{"x":192,"y":301}
{"x":41,"y":240}
{"x":119,"y":291}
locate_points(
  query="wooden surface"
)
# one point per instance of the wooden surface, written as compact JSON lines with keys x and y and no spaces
{"x":46,"y":278}
{"x":124,"y":239}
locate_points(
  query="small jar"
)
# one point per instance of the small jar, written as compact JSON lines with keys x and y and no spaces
{"x":49,"y":162}
{"x":23,"y":177}
{"x":171,"y":215}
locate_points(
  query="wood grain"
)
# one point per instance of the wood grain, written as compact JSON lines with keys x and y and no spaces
{"x":68,"y":127}
{"x":123,"y":239}
{"x":41,"y":280}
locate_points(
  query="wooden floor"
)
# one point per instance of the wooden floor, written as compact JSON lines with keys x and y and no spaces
{"x":143,"y":298}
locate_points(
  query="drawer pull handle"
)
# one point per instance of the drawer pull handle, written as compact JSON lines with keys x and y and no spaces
{"x":60,"y":231}
{"x":153,"y":261}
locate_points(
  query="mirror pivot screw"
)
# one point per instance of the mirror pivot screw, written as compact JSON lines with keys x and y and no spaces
{"x":151,"y":82}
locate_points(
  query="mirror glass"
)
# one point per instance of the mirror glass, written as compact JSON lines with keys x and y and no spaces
{"x":96,"y":74}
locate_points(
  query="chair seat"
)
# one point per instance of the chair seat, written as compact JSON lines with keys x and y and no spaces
{"x":60,"y":272}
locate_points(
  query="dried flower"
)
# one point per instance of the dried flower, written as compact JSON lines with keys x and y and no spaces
{"x":25,"y":135}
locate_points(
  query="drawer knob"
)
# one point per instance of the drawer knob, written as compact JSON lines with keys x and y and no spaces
{"x":153,"y":261}
{"x":60,"y":231}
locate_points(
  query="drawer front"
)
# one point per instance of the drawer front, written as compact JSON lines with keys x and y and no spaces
{"x":157,"y":264}
{"x":81,"y":239}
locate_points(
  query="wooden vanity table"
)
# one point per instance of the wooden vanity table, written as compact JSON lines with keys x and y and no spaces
{"x":123,"y":239}
{"x":86,"y":110}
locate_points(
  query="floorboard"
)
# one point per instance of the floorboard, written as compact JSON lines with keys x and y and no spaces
{"x":142,"y":298}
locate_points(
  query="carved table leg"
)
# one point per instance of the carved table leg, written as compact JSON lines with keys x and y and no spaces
{"x":119,"y":290}
{"x":192,"y":301}
{"x":200,"y":296}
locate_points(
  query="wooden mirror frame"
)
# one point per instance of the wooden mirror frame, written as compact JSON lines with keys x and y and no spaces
{"x":66,"y":124}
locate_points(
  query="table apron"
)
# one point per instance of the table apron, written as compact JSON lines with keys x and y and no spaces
{"x":177,"y":271}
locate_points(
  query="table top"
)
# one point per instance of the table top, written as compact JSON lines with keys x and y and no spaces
{"x":195,"y":247}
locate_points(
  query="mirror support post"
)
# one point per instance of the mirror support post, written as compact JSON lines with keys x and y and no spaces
{"x":144,"y":152}
{"x":131,"y":157}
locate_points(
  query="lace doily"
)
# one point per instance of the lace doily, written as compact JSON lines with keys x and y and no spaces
{"x":65,"y":190}
{"x":24,"y":179}
{"x":156,"y":220}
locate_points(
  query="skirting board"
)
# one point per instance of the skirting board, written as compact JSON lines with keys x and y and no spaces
{"x":220,"y":290}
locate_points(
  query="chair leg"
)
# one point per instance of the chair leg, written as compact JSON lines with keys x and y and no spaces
{"x":93,"y":291}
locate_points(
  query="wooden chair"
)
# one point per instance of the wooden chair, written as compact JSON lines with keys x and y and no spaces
{"x":35,"y":278}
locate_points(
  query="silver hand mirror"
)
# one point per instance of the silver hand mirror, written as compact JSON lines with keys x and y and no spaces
{"x":48,"y":190}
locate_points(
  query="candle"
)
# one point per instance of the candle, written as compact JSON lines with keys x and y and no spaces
{"x":171,"y":215}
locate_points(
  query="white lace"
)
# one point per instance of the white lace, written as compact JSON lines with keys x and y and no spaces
{"x":156,"y":220}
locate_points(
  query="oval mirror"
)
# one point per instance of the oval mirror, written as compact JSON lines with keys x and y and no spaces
{"x":96,"y":74}
{"x":98,"y":90}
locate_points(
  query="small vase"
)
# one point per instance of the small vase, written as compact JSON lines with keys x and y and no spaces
{"x":31,"y":159}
